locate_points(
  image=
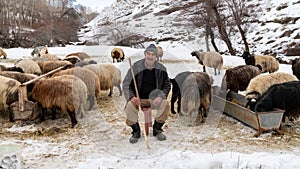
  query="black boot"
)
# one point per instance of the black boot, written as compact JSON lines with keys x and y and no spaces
{"x":157,"y":131}
{"x":136,"y":133}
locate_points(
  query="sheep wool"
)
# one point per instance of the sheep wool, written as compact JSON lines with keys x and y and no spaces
{"x":8,"y":92}
{"x":50,"y":57}
{"x":66,"y":92}
{"x":2,"y":53}
{"x":29,"y":66}
{"x":196,"y":95}
{"x":210,"y":59}
{"x":160,"y":53}
{"x":115,"y":75}
{"x":47,"y":66}
{"x":259,"y":84}
{"x":265,"y":63}
{"x":238,"y":78}
{"x":81,"y":55}
{"x":117,"y":54}
{"x":90,"y":79}
{"x":103,"y":75}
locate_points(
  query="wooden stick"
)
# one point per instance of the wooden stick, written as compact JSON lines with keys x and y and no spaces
{"x":43,"y":75}
{"x":141,"y":113}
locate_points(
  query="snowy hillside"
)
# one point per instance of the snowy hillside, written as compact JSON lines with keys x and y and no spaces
{"x":275,"y":29}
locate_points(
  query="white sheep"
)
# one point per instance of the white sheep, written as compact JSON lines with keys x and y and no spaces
{"x":259,"y":84}
{"x":265,"y":63}
{"x":210,"y":59}
{"x":29,"y":66}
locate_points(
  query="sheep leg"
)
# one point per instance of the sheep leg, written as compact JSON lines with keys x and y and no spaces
{"x":42,"y":116}
{"x":111,"y":90}
{"x":173,"y":100}
{"x":179,"y":105}
{"x":73,"y":118}
{"x":91,"y":100}
{"x":204,"y":70}
{"x":11,"y":118}
{"x":120,"y":90}
{"x":80,"y":111}
{"x":216,"y":71}
{"x":53,"y":111}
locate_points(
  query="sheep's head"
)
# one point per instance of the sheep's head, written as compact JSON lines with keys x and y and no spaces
{"x":249,"y":59}
{"x":246,"y":55}
{"x":195,"y":53}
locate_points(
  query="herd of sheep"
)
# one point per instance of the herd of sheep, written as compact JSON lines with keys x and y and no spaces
{"x":75,"y":88}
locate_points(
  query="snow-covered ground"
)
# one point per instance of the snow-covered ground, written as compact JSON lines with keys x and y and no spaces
{"x":100,"y":140}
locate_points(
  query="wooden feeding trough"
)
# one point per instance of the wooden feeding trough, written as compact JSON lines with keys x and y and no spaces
{"x":261,"y":121}
{"x":22,"y":109}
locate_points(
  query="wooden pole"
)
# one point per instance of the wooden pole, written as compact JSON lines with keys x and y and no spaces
{"x":141,"y":114}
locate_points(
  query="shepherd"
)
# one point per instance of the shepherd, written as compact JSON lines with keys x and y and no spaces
{"x":153,"y":86}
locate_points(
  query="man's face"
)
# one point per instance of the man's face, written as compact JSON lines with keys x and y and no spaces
{"x":150,"y":58}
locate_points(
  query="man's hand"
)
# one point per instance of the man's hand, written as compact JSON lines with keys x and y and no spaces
{"x":135,"y":101}
{"x":157,"y":101}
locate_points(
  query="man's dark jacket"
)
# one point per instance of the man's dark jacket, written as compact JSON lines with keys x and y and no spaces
{"x":163,"y":84}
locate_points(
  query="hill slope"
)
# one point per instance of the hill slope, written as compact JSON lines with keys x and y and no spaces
{"x":274,"y":30}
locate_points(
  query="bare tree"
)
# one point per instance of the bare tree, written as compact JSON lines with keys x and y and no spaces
{"x":214,"y":7}
{"x":239,"y":13}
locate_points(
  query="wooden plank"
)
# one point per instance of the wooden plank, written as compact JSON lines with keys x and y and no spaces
{"x":25,"y":114}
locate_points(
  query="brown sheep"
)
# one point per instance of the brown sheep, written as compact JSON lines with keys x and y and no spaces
{"x":2,"y":53}
{"x":66,"y":93}
{"x":104,"y":76}
{"x":264,"y":63}
{"x":116,"y":77}
{"x":90,"y":79}
{"x":73,"y":59}
{"x":210,"y":59}
{"x":237,"y":78}
{"x":196,"y":95}
{"x":81,"y":55}
{"x":160,"y":53}
{"x":50,"y":57}
{"x":118,"y":54}
{"x":47,"y":66}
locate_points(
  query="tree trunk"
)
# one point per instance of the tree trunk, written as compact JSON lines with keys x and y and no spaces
{"x":222,"y":30}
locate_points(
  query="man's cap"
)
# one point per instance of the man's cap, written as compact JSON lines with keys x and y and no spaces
{"x":152,"y":48}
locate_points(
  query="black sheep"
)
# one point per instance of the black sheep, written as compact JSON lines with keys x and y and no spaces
{"x":296,"y":68}
{"x":176,"y":90}
{"x":285,"y":96}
